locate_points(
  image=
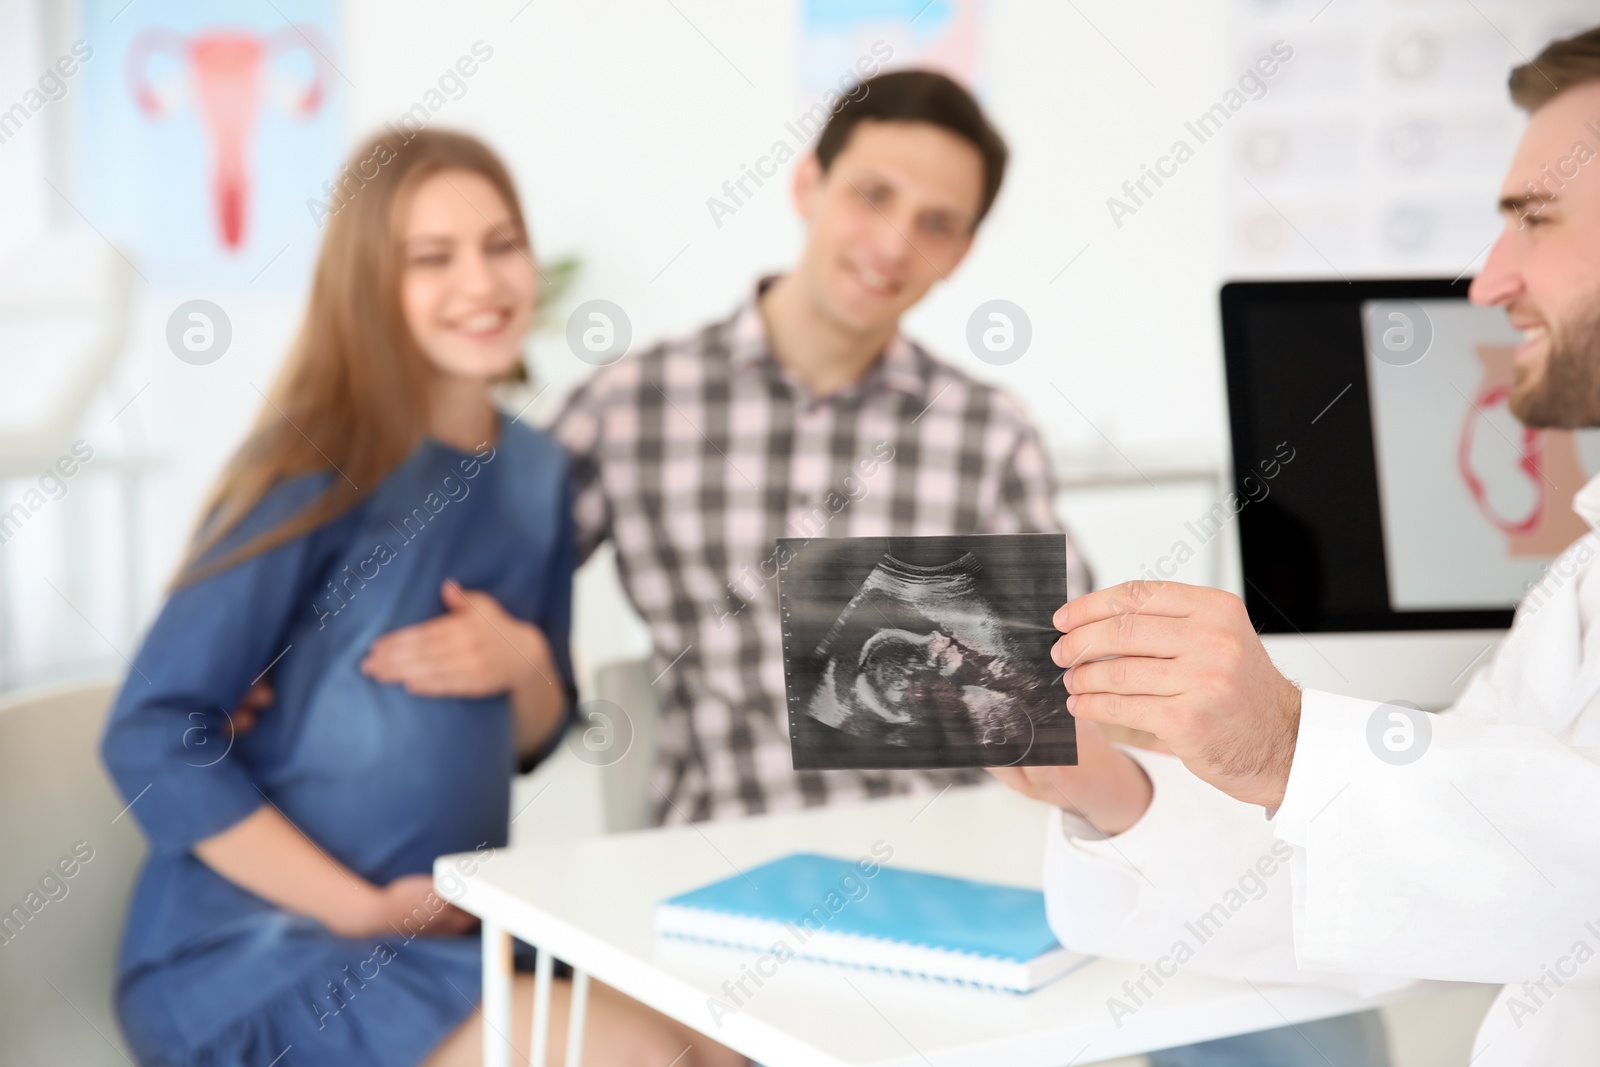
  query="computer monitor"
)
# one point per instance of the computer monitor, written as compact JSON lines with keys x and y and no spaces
{"x":1384,"y":558}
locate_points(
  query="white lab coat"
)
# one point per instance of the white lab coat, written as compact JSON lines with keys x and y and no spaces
{"x":1478,"y":862}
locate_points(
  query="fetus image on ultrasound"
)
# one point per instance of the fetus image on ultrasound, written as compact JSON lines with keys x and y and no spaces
{"x":925,"y":652}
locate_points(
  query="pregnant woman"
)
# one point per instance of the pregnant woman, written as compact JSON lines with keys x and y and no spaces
{"x":399,"y":557}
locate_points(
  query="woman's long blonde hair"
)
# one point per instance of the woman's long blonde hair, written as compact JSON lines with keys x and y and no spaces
{"x":351,"y":397}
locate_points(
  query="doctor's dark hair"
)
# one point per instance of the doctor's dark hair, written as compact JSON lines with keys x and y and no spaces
{"x":351,"y":399}
{"x":1570,"y":61}
{"x":920,"y":96}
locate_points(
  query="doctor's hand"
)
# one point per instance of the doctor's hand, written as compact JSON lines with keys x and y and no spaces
{"x":474,"y":649}
{"x":1184,"y":663}
{"x":1106,"y":787}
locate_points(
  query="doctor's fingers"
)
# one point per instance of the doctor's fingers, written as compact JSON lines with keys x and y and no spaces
{"x":1152,"y":714}
{"x":1172,"y":599}
{"x":1130,"y":675}
{"x":1124,"y":635}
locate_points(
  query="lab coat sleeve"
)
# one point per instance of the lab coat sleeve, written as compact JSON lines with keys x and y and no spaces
{"x":1479,"y":861}
{"x":1199,"y":881}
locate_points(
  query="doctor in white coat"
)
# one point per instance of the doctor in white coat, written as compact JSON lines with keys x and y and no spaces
{"x":1302,"y":836}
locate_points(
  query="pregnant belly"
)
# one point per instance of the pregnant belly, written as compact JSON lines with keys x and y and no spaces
{"x":385,"y":781}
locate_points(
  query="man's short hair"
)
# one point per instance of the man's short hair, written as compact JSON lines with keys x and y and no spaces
{"x":1572,"y":61}
{"x":920,"y":96}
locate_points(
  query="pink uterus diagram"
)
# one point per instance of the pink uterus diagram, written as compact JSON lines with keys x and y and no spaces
{"x":1521,"y":479}
{"x":224,"y":72}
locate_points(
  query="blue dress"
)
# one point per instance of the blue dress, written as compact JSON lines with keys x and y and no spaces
{"x":381,"y":780}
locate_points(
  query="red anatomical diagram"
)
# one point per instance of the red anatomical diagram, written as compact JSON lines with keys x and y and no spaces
{"x":1521,"y":479}
{"x":225,"y":71}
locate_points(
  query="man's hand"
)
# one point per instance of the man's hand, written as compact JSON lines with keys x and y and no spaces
{"x":256,"y":698}
{"x":474,"y":649}
{"x":1184,"y":663}
{"x":1106,"y":787}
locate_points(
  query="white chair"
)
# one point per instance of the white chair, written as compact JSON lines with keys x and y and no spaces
{"x":626,"y":796}
{"x":58,"y":963}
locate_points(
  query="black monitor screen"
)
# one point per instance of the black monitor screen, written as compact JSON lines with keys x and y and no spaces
{"x":1382,"y":482}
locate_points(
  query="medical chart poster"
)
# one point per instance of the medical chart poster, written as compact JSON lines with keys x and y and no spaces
{"x":1474,"y":505}
{"x":203,"y":131}
{"x":836,"y":35}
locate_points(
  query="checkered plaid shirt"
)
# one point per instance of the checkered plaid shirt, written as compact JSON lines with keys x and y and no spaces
{"x":694,"y":457}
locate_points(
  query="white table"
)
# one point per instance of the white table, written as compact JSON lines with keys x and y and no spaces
{"x":591,"y":904}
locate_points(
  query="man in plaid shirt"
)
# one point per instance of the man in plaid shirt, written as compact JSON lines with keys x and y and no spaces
{"x":805,"y":414}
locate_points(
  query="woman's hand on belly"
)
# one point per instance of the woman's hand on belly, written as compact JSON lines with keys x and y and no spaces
{"x":411,"y":906}
{"x":475,"y":649}
{"x":271,"y":857}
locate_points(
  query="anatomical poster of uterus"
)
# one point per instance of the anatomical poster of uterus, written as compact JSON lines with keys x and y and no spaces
{"x":1474,"y":504}
{"x":203,"y":130}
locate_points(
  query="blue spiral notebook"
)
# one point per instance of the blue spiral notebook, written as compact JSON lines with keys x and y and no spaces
{"x":931,"y":925}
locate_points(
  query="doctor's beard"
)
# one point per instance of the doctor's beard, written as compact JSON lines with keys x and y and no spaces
{"x":1567,"y":394}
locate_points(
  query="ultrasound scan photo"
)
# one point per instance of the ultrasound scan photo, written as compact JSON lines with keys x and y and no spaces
{"x":906,"y":652}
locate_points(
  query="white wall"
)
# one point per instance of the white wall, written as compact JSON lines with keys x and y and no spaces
{"x":23,"y":153}
{"x":620,"y":119}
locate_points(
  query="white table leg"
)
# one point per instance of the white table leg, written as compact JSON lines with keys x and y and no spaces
{"x":496,"y":995}
{"x":542,"y":971}
{"x":575,"y":1018}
